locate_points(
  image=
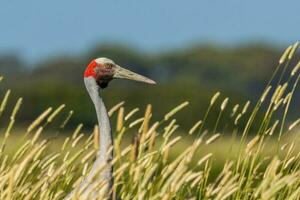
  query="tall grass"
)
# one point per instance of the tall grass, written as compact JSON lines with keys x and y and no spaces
{"x":262,"y":165}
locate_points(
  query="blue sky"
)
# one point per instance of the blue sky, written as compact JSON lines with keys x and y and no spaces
{"x":36,"y":29}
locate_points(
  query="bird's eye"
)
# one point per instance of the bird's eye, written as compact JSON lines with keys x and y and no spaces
{"x":109,"y":65}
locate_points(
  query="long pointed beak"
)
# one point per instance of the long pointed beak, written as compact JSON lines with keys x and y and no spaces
{"x":120,"y":72}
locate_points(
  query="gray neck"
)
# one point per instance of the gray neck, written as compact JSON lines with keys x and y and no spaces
{"x":105,"y":139}
{"x":105,"y":153}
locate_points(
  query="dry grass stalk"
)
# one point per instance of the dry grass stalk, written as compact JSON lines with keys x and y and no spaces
{"x":204,"y":159}
{"x":214,"y":98}
{"x":251,"y":144}
{"x":175,"y":110}
{"x":234,"y":110}
{"x":246,"y":106}
{"x":265,"y":94}
{"x":64,"y":123}
{"x":120,"y":120}
{"x":131,"y":113}
{"x":39,"y":119}
{"x":194,"y":128}
{"x":294,"y":124}
{"x":136,"y":122}
{"x":4,"y":101}
{"x":115,"y":108}
{"x":77,"y":131}
{"x":224,"y":103}
{"x":147,"y":119}
{"x":293,"y":50}
{"x":96,"y":137}
{"x":295,"y":69}
{"x":285,"y":54}
{"x":212,"y":138}
{"x":55,"y":113}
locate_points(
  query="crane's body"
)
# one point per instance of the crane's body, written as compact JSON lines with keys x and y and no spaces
{"x":96,"y":77}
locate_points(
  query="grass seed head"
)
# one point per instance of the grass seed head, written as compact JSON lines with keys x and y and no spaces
{"x":285,"y":54}
{"x":214,"y":98}
{"x":120,"y":120}
{"x":115,"y":108}
{"x":293,"y":50}
{"x":295,"y":69}
{"x":224,"y":103}
{"x":194,"y":128}
{"x":56,"y":112}
{"x":39,"y":119}
{"x":175,"y":110}
{"x":212,"y":138}
{"x":4,"y":101}
{"x":131,"y":113}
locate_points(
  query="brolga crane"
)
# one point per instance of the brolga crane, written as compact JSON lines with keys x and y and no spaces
{"x":96,"y":77}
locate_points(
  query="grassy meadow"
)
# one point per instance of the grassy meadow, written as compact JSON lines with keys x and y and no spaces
{"x":258,"y":159}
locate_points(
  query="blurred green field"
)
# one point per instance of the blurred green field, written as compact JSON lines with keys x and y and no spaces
{"x":191,"y":74}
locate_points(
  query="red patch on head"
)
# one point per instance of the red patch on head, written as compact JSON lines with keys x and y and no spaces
{"x":90,"y":70}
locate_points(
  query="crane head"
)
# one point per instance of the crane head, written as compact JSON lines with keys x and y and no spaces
{"x":103,"y":70}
